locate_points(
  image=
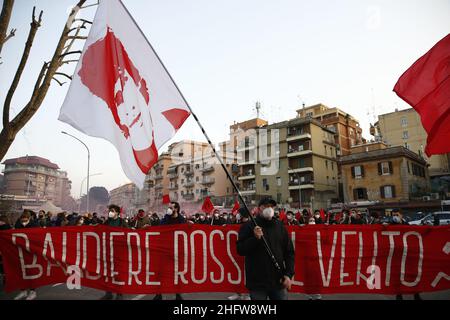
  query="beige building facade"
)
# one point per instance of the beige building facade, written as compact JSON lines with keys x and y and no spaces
{"x":38,"y":178}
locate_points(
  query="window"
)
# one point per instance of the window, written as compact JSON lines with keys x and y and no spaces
{"x":358,"y":172}
{"x":332,"y":166}
{"x":325,"y":150}
{"x":301,"y":163}
{"x":265,"y":185}
{"x":326,"y":164}
{"x":404,"y":122}
{"x":407,"y":146}
{"x":197,"y":191}
{"x":309,"y":114}
{"x":405,"y":135}
{"x":360,"y":194}
{"x":196,"y":179}
{"x":387,"y":192}
{"x":384,"y":168}
{"x":197,"y":166}
{"x":279,"y":181}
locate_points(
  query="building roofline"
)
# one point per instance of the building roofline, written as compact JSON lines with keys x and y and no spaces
{"x":390,"y":152}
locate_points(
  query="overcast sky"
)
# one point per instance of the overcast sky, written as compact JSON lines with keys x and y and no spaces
{"x":226,"y":55}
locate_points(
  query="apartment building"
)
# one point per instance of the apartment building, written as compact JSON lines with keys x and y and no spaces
{"x":404,"y":128}
{"x":37,"y":178}
{"x":347,"y":130}
{"x":376,"y":172}
{"x":291,"y":161}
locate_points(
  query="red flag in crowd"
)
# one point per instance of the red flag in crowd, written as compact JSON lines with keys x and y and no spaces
{"x":282,"y":216}
{"x":322,"y":214}
{"x":426,"y":87}
{"x":207,"y":206}
{"x":298,"y":215}
{"x":166,"y":199}
{"x":235,"y":208}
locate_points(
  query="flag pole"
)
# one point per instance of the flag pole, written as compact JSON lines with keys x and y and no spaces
{"x":266,"y":245}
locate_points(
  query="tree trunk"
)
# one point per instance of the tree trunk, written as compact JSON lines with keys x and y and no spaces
{"x":4,"y":20}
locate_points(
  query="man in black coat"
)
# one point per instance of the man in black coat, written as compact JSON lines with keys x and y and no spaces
{"x":262,"y":278}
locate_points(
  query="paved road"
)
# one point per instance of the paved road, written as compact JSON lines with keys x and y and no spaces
{"x":60,"y":292}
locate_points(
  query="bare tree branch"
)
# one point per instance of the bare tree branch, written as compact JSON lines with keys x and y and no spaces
{"x":83,"y":20}
{"x":69,"y":53}
{"x":11,"y":34}
{"x":26,"y":53}
{"x":68,"y":61}
{"x":63,"y":74}
{"x":59,"y":82}
{"x":76,"y":28}
{"x":77,"y":38}
{"x":5,"y":17}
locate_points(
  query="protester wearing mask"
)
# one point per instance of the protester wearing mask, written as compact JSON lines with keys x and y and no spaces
{"x":290,"y":219}
{"x":141,"y":221}
{"x":154,"y":219}
{"x":26,"y":221}
{"x":317,"y":217}
{"x":172,"y":216}
{"x":217,"y":220}
{"x":114,"y":220}
{"x":262,"y":278}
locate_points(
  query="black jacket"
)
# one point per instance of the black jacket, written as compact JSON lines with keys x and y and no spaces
{"x":168,"y":219}
{"x":260,"y":272}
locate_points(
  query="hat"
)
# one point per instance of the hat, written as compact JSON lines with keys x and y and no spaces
{"x":243,"y":212}
{"x":267,"y":201}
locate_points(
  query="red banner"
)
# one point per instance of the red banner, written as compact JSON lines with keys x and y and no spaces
{"x":202,"y":258}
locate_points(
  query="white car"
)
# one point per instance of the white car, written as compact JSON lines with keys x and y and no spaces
{"x":444,"y":219}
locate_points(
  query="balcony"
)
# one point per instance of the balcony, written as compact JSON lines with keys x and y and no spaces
{"x":247,"y":175}
{"x":189,"y":184}
{"x":300,"y":170}
{"x":299,"y":151}
{"x":245,"y":162}
{"x":208,"y":181}
{"x":297,"y":135}
{"x":189,"y":173}
{"x":172,"y":170}
{"x":248,"y":145}
{"x":158,"y":186}
{"x":188,"y":196}
{"x":206,"y":169}
{"x":173,"y":175}
{"x":173,"y":187}
{"x":303,"y":185}
{"x":159,"y":177}
{"x":247,"y":191}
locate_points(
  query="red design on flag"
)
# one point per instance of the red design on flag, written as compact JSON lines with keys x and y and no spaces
{"x":426,"y":87}
{"x":116,"y":81}
{"x":176,"y":117}
{"x":207,"y":206}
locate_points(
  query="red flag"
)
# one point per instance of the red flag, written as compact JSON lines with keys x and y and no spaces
{"x":283,"y":217}
{"x":166,"y":199}
{"x":426,"y":87}
{"x":298,"y":215}
{"x":207,"y":206}
{"x":322,"y":215}
{"x":235,"y":208}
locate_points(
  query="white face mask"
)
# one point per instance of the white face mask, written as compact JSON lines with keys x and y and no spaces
{"x":396,"y":219}
{"x":268,"y":213}
{"x":24,"y":223}
{"x":169,"y":211}
{"x":317,"y":216}
{"x":111,"y":214}
{"x":312,"y":222}
{"x":216,"y":215}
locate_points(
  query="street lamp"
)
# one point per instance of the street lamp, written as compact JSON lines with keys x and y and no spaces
{"x":81,"y":188}
{"x":89,"y":157}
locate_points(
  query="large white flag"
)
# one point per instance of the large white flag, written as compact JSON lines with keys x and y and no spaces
{"x":121,"y":92}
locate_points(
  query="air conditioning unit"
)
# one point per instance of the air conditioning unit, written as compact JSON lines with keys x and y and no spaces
{"x":434,"y":196}
{"x":426,"y":198}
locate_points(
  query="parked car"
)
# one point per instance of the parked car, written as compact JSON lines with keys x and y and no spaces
{"x":418,"y":216}
{"x":444,"y":219}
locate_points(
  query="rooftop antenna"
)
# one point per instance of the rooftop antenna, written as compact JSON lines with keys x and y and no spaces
{"x":258,"y":108}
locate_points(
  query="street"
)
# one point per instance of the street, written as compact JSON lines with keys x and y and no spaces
{"x":60,"y":292}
